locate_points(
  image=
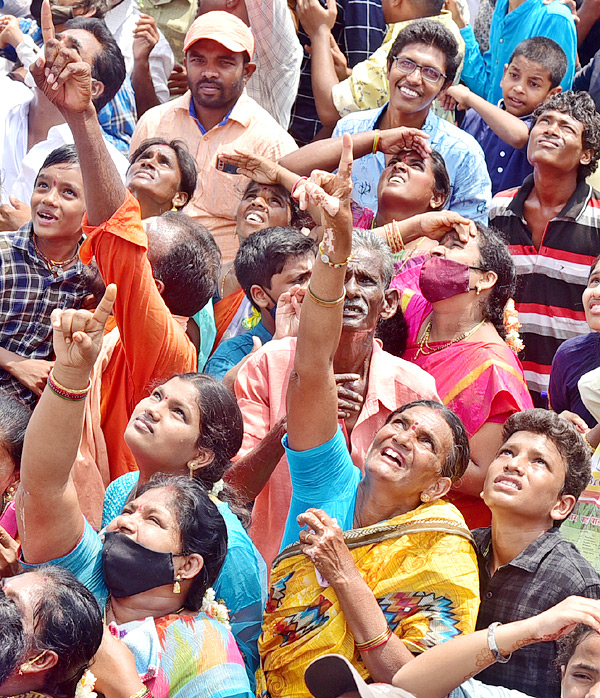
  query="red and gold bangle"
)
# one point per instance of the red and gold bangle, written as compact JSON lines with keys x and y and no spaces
{"x":376,"y":141}
{"x":393,"y":236}
{"x":296,"y":183}
{"x":375,"y":642}
{"x":67,"y":393}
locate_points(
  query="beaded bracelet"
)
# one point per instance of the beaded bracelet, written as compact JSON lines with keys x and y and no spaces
{"x":491,"y":638}
{"x":375,"y":642}
{"x":324,"y":303}
{"x":142,"y":693}
{"x":297,"y":182}
{"x":334,"y":265}
{"x":376,"y":141}
{"x":393,"y":236}
{"x":67,"y":393}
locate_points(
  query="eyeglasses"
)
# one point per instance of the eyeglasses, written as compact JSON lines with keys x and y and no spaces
{"x":406,"y":66}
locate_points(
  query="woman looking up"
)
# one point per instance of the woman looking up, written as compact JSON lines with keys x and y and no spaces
{"x":158,"y":557}
{"x":456,"y":333}
{"x":384,"y":590}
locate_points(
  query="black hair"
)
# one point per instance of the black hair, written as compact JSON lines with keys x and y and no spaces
{"x":441,"y":178}
{"x":222,"y":432}
{"x":428,"y":31}
{"x":546,"y":52}
{"x":108,"y":65}
{"x":593,"y":266}
{"x":266,"y":252}
{"x":12,"y":637}
{"x":201,"y":526}
{"x":14,"y":417}
{"x":567,"y":645}
{"x":187,"y":164}
{"x":374,"y":244}
{"x":457,"y":460}
{"x":428,"y":8}
{"x":494,"y":256}
{"x":579,"y":106}
{"x":393,"y":333}
{"x":64,"y":155}
{"x":190,"y":267}
{"x":571,"y":446}
{"x":67,"y":620}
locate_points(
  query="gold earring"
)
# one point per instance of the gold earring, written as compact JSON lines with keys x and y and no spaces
{"x":177,"y":585}
{"x":478,"y":291}
{"x":191,"y":469}
{"x":425,"y":497}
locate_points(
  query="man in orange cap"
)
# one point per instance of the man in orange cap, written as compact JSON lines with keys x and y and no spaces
{"x":215,"y":116}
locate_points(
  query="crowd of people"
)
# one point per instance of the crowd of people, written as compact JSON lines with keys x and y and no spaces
{"x":299,"y":348}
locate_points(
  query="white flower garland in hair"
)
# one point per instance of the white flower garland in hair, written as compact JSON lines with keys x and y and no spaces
{"x":86,"y":685}
{"x":217,"y":488}
{"x":512,"y":325}
{"x":215,"y":609}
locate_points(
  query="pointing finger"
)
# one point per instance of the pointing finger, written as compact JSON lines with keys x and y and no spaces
{"x":47,"y":23}
{"x":345,"y":168}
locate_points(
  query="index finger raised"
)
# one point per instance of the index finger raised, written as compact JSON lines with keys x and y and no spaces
{"x":345,"y":168}
{"x":104,"y":309}
{"x":48,"y":32}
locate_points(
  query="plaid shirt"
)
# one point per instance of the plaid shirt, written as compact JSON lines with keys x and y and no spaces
{"x":545,"y":573}
{"x":118,"y":118}
{"x":359,"y":30}
{"x":28,"y":294}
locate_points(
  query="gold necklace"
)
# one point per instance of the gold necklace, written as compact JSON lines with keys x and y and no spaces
{"x":425,"y":349}
{"x":52,"y":263}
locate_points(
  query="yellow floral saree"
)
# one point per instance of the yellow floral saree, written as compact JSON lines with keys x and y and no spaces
{"x":422,"y":569}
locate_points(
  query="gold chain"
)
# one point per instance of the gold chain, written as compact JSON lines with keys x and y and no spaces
{"x":425,"y":349}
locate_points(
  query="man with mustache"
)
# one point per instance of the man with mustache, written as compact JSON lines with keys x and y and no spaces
{"x":552,"y":226}
{"x":216,"y":116}
{"x":371,"y":384}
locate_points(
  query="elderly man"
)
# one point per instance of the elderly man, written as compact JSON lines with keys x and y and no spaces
{"x":372,"y":383}
{"x":215,"y":116}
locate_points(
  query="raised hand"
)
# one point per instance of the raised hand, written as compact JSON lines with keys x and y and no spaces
{"x":145,"y":37}
{"x":178,"y":81}
{"x":60,"y":73}
{"x":395,"y":140}
{"x":77,"y":334}
{"x":287,"y":316}
{"x":255,"y":167}
{"x":312,"y":15}
{"x":436,"y":224}
{"x":561,"y":619}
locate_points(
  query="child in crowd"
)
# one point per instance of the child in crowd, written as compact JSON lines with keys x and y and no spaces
{"x":534,"y":73}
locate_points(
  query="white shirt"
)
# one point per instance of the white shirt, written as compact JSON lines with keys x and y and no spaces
{"x":19,"y":167}
{"x":278,"y":56}
{"x":122,"y":20}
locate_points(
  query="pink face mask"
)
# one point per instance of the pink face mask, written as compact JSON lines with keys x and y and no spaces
{"x":443,"y":278}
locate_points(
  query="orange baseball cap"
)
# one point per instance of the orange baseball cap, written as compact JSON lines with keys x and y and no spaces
{"x":224,"y":28}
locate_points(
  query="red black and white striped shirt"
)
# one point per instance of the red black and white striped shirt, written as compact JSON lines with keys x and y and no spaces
{"x":551,"y":279}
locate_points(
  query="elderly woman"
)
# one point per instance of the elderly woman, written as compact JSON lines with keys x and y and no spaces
{"x":158,"y":557}
{"x":405,"y":576}
{"x":456,"y":333}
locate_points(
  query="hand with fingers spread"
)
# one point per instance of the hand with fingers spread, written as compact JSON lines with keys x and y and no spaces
{"x":395,"y":140}
{"x":60,"y":73}
{"x":77,"y":334}
{"x":287,"y":316}
{"x":313,"y":16}
{"x":323,"y":542}
{"x":145,"y":37}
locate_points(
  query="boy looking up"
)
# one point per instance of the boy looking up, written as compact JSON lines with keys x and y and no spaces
{"x":532,"y":75}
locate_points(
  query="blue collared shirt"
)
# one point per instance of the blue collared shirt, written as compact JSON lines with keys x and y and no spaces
{"x":202,"y":129}
{"x":507,"y":166}
{"x":470,"y":192}
{"x":483,"y":74}
{"x":232,"y":351}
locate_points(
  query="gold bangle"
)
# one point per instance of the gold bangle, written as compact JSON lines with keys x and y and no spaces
{"x":324,"y":303}
{"x":142,"y":693}
{"x":374,"y":642}
{"x":75,"y":391}
{"x":376,"y":141}
{"x":592,"y":449}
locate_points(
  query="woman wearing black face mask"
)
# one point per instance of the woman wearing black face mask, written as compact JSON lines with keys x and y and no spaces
{"x":456,"y":333}
{"x":157,"y":559}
